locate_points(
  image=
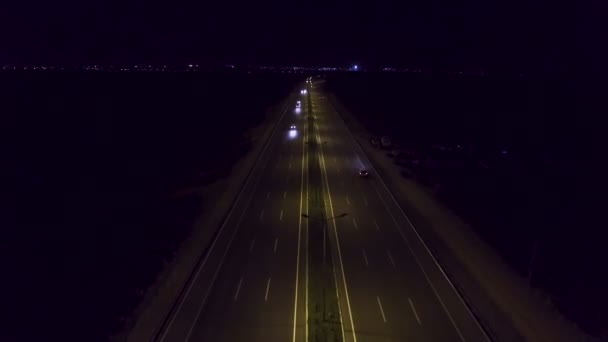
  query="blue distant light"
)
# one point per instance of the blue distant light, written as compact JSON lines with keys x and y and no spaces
{"x":355,"y":67}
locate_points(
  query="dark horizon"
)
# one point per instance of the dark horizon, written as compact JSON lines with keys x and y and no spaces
{"x":543,"y":36}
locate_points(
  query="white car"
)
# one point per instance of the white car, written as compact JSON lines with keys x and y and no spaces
{"x":303,"y":91}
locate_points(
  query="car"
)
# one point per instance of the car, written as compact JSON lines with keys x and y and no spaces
{"x":293,"y":127}
{"x":303,"y":91}
{"x":298,"y":104}
{"x":363,"y":173}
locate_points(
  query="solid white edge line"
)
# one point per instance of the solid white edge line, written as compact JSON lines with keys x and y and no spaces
{"x":267,"y":288}
{"x":356,"y":143}
{"x":238,"y":289}
{"x":251,"y":245}
{"x":322,"y":160}
{"x":390,"y":257}
{"x":381,"y":311}
{"x":414,"y":309}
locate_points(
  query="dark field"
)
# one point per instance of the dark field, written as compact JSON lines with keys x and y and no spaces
{"x":92,"y":161}
{"x":543,"y":147}
{"x":86,"y":215}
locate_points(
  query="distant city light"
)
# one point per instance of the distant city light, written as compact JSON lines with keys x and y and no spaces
{"x":248,"y":69}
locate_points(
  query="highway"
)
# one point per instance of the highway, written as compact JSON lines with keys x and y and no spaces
{"x":254,"y":283}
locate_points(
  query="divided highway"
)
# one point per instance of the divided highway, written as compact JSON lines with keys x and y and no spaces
{"x":253,"y":284}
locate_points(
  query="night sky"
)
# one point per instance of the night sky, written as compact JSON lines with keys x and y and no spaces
{"x":431,"y":33}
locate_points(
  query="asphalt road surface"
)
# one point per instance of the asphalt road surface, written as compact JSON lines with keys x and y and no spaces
{"x":252,"y":285}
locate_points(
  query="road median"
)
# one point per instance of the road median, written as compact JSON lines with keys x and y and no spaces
{"x":324,"y":322}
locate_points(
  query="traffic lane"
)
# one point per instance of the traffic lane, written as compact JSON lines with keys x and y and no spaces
{"x":399,"y":277}
{"x":273,"y":304}
{"x":391,"y":291}
{"x":366,"y":308}
{"x":251,"y":263}
{"x":180,"y":323}
{"x":261,"y":304}
{"x":356,"y":256}
{"x":279,"y":225}
{"x":368,"y":304}
{"x":375,"y":319}
{"x":247,"y":236}
{"x":279,"y":231}
{"x":409,"y":286}
{"x":240,"y":282}
{"x":464,"y":323}
{"x":298,"y":194}
{"x":360,"y":195}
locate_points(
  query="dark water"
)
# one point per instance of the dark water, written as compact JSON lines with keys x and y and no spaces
{"x":549,"y":183}
{"x":91,"y":159}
